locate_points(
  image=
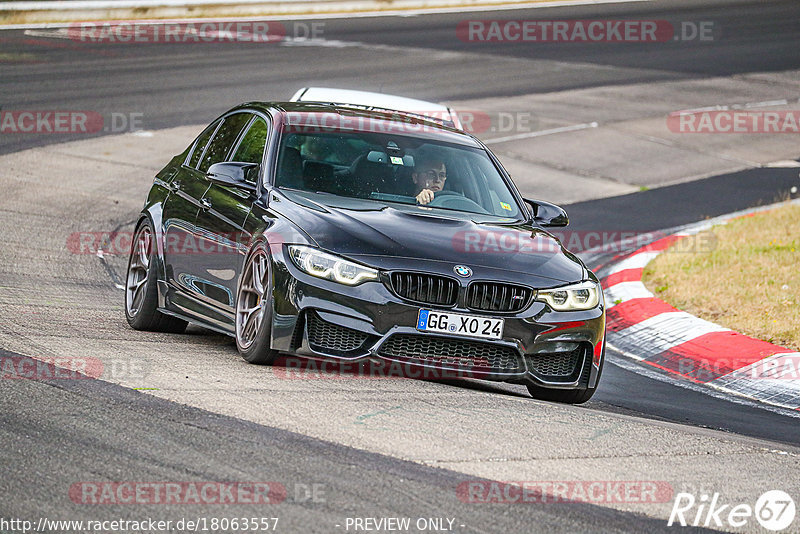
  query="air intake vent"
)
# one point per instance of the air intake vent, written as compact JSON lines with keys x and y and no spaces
{"x":496,"y":297}
{"x":442,"y":351}
{"x":557,"y":366}
{"x":331,"y":338}
{"x":425,"y":288}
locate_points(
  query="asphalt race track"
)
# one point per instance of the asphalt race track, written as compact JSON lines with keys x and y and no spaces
{"x":375,"y":448}
{"x":174,"y":85}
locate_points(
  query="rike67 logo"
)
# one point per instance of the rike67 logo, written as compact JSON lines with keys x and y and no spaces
{"x":774,"y":510}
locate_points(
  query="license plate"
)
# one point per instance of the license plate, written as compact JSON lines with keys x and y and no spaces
{"x":460,"y":325}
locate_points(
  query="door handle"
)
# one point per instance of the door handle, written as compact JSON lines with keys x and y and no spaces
{"x":205,"y":203}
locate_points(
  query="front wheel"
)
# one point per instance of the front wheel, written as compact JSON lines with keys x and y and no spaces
{"x":254,"y":308}
{"x":141,"y":287}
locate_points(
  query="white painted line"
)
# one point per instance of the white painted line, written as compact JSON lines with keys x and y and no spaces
{"x":541,"y":133}
{"x":755,"y":383}
{"x":702,"y":227}
{"x":663,"y":332}
{"x":674,"y":380}
{"x":694,"y":228}
{"x":60,"y":33}
{"x":768,"y":103}
{"x":728,"y":107}
{"x":346,"y":14}
{"x":625,"y":291}
{"x":780,"y":366}
{"x":330,"y":43}
{"x":785,"y":393}
{"x":783,"y":164}
{"x":635,"y":261}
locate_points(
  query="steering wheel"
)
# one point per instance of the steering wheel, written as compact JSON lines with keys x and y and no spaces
{"x":454,"y":200}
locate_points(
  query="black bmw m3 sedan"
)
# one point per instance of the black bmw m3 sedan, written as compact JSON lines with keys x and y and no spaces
{"x":336,"y":232}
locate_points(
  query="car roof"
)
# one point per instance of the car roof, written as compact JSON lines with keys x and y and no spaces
{"x":308,"y":116}
{"x":379,"y":101}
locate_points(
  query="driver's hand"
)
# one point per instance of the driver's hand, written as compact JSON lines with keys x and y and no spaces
{"x":425,"y":196}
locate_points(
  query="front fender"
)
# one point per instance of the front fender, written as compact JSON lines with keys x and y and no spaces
{"x":153,"y":211}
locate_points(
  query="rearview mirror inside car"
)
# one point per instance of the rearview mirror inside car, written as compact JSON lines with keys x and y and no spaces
{"x":376,"y":156}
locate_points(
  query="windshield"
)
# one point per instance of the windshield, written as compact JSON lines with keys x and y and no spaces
{"x":390,"y":168}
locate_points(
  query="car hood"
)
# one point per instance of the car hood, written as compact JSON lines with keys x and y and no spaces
{"x":374,"y":233}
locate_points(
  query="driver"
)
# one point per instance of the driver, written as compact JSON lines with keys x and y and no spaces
{"x":429,"y":176}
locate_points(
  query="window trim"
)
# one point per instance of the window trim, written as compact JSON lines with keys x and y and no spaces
{"x":235,"y":141}
{"x":240,"y":137}
{"x":245,"y":130}
{"x":270,"y":134}
{"x":219,"y":121}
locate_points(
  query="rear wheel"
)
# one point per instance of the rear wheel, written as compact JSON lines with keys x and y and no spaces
{"x":141,"y":287}
{"x":569,"y":396}
{"x":254,"y":308}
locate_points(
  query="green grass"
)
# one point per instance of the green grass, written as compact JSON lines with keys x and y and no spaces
{"x":745,"y":275}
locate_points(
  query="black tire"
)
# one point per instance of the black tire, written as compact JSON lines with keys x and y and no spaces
{"x":570,"y":396}
{"x":141,"y":286}
{"x":254,"y":308}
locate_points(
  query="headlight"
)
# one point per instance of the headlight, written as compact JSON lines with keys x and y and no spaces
{"x":581,"y":296}
{"x":323,"y":265}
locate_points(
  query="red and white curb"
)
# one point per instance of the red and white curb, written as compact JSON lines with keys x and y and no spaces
{"x":647,"y":329}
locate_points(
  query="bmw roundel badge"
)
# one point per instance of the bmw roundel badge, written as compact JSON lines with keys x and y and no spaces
{"x":463,"y":270}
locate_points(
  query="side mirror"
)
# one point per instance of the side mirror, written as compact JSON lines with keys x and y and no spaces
{"x":547,"y":214}
{"x":234,"y":174}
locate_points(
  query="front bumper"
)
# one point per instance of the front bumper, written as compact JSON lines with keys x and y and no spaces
{"x":322,"y":319}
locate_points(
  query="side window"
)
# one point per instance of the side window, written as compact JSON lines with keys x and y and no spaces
{"x":223,"y":140}
{"x":200,"y":144}
{"x":251,"y":148}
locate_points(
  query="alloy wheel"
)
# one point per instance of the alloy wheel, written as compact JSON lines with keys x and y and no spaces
{"x":251,"y":299}
{"x":138,"y":271}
